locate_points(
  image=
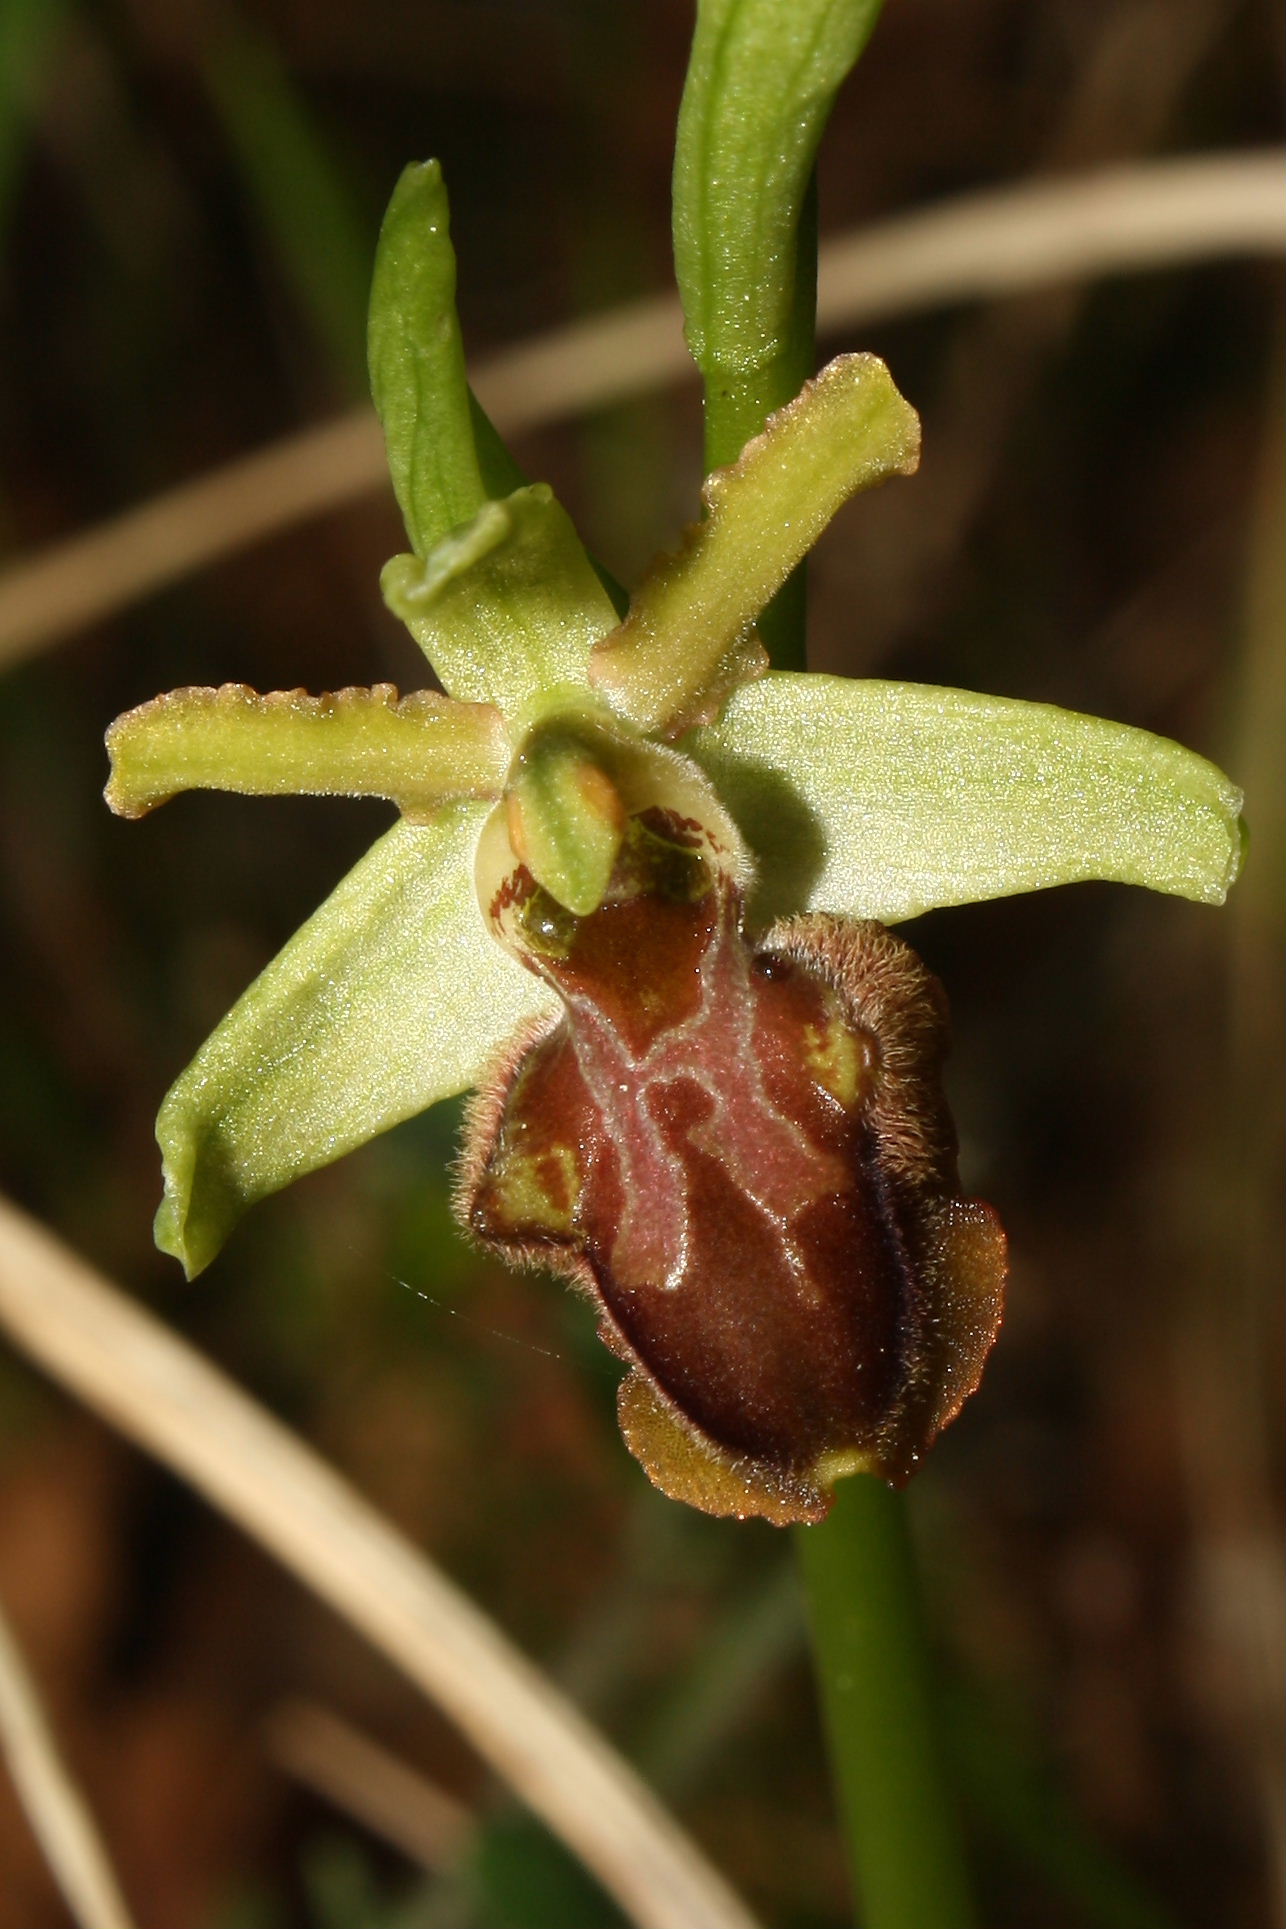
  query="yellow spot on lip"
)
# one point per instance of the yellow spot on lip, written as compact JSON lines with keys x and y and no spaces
{"x":838,"y":1059}
{"x":540,"y":1187}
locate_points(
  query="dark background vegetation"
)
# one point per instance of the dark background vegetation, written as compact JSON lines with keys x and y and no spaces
{"x":189,"y":198}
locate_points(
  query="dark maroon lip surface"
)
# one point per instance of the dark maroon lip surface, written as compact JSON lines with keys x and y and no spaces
{"x":746,"y":1157}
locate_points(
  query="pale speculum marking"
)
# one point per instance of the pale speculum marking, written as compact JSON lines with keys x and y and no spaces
{"x":641,"y":1093}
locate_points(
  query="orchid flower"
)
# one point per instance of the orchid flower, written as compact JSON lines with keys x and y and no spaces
{"x":638,"y":898}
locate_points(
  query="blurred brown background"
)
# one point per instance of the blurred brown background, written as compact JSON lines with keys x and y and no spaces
{"x":189,"y":197}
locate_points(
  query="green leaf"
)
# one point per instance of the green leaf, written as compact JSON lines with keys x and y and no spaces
{"x":416,"y":362}
{"x":421,"y":750}
{"x":883,"y":800}
{"x":761,"y":80}
{"x":688,"y":637}
{"x":30,"y":31}
{"x":389,"y":998}
{"x":507,"y":608}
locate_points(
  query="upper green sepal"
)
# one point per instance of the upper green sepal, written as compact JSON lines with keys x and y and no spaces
{"x":416,"y":361}
{"x":507,"y":607}
{"x":390,"y":997}
{"x":884,"y":800}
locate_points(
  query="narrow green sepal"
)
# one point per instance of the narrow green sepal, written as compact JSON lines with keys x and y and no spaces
{"x":416,"y":360}
{"x":420,"y":750}
{"x":389,"y":998}
{"x":761,"y":80}
{"x":507,"y":607}
{"x":688,"y":639}
{"x":884,"y":800}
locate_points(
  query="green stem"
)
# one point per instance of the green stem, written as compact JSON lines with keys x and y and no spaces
{"x":858,"y":1566}
{"x":881,"y":1712}
{"x":736,"y":408}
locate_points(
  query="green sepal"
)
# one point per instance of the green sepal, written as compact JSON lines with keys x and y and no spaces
{"x":421,"y":750}
{"x":884,"y":800}
{"x":688,"y":639}
{"x":761,"y":80}
{"x":416,"y":360}
{"x":507,"y":607}
{"x":390,"y":997}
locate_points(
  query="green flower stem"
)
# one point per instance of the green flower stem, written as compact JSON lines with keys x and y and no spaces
{"x":760,"y":85}
{"x":762,"y":78}
{"x":879,"y":1701}
{"x":736,"y":408}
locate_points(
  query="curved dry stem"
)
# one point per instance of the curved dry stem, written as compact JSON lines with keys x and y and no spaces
{"x":59,"y":1818}
{"x":359,"y":1777}
{"x":163,"y":1395}
{"x":1113,"y":221}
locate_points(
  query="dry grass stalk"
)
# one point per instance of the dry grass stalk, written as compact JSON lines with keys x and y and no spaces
{"x":995,"y":243}
{"x":163,"y":1395}
{"x":54,"y":1805}
{"x":366,"y":1781}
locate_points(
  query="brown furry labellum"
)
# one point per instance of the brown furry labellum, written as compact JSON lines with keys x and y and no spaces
{"x":744,"y":1155}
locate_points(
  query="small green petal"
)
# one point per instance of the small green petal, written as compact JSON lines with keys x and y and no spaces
{"x":420,"y":750}
{"x":417,"y":363}
{"x":688,"y":638}
{"x":883,"y":800}
{"x":389,"y":998}
{"x":506,"y":608}
{"x":761,"y":80}
{"x":566,"y":817}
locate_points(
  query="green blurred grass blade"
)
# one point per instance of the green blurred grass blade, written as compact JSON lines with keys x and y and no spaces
{"x":745,"y":1645}
{"x":342,"y":1888}
{"x":298,"y":191}
{"x":1021,"y":1803}
{"x":527,"y":1880}
{"x":29,"y":31}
